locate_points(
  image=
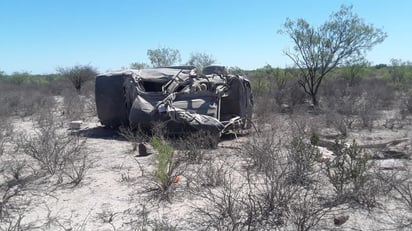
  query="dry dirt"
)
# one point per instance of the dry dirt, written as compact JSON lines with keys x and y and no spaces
{"x":116,"y":192}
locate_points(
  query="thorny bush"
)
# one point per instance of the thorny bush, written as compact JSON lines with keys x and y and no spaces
{"x":350,"y":175}
{"x":56,"y":153}
{"x":302,"y":157}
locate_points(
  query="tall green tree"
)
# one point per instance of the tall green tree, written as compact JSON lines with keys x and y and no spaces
{"x":200,"y":60}
{"x":162,"y":57}
{"x":318,"y":50}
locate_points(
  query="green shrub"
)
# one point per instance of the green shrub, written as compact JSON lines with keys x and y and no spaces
{"x":164,"y":159}
{"x":349,"y":174}
{"x":166,"y":167}
{"x":302,"y":157}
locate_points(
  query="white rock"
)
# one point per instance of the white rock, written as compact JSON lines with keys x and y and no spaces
{"x":391,"y":164}
{"x":325,"y":154}
{"x":75,"y":125}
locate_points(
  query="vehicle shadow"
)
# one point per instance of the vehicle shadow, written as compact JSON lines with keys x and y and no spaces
{"x":105,"y":133}
{"x":99,"y":133}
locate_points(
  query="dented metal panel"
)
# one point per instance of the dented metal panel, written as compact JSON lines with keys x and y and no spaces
{"x":215,"y":101}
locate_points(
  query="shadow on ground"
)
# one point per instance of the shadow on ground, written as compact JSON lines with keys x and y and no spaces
{"x":99,"y":133}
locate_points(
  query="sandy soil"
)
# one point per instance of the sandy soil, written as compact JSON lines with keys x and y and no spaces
{"x":116,"y":191}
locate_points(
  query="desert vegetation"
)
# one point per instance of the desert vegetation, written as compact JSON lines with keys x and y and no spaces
{"x":338,"y":165}
{"x":329,"y":156}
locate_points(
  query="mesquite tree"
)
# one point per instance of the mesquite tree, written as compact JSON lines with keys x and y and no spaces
{"x":318,"y":50}
{"x":200,"y":60}
{"x":162,"y":57}
{"x":78,"y":75}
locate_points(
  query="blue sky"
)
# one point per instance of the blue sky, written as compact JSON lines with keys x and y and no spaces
{"x":40,"y":35}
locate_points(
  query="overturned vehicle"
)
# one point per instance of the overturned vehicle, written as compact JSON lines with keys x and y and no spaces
{"x":185,"y":101}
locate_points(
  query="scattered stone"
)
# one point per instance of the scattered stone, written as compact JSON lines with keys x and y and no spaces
{"x":325,"y":154}
{"x":142,"y":150}
{"x":386,"y":144}
{"x":75,"y":125}
{"x":284,"y":108}
{"x":340,"y":220}
{"x":311,"y":106}
{"x":145,"y":149}
{"x":386,"y":150}
{"x":331,"y":136}
{"x":392,"y":154}
{"x":391,"y":164}
{"x":330,"y":145}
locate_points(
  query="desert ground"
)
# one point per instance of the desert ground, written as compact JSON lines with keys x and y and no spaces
{"x":344,"y":166}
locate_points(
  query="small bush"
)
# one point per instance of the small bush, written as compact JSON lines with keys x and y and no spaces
{"x":134,"y":136}
{"x":272,"y":188}
{"x":264,"y":106}
{"x":274,"y":197}
{"x":349,"y":174}
{"x":5,"y":133}
{"x":367,"y":114}
{"x":56,"y":153}
{"x":14,"y":187}
{"x":13,"y":223}
{"x":167,"y":168}
{"x":24,"y":100}
{"x":262,"y":150}
{"x":399,"y":182}
{"x":406,"y":105}
{"x":379,"y":92}
{"x":77,"y":164}
{"x":212,"y":174}
{"x":296,"y":94}
{"x":8,"y":193}
{"x":307,"y":211}
{"x":74,"y":106}
{"x":340,"y":122}
{"x":397,"y":185}
{"x":140,"y":221}
{"x":224,"y":207}
{"x":302,"y":158}
{"x":192,"y":147}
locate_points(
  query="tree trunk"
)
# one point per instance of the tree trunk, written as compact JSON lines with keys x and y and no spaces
{"x":314,"y":100}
